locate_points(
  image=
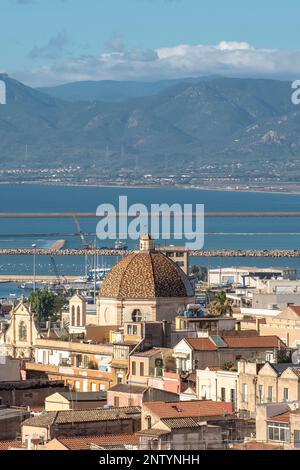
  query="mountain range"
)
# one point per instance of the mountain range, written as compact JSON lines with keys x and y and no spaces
{"x":122,"y":124}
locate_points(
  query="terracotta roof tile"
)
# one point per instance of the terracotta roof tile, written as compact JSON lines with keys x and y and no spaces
{"x":201,"y":344}
{"x":81,"y":416}
{"x":254,"y":342}
{"x":281,"y":418}
{"x":6,"y":445}
{"x":254,"y":445}
{"x":189,"y":409}
{"x":295,"y":308}
{"x":146,"y":275}
{"x":180,"y":423}
{"x":84,"y":442}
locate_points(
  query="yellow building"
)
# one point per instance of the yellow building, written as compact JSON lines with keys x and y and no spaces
{"x":286,"y":325}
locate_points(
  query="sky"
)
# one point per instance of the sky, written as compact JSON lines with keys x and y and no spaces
{"x":48,"y":42}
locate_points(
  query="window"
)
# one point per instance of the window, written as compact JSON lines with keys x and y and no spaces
{"x":22,"y":331}
{"x":120,"y":378}
{"x":77,"y":385}
{"x":133,"y":368}
{"x":270,"y":357}
{"x":278,"y":432}
{"x":245,"y":393}
{"x":232,"y":397}
{"x":270,"y":394}
{"x":296,"y":439}
{"x":148,"y":418}
{"x":73,"y":316}
{"x":285,"y":394}
{"x":86,"y":362}
{"x":142,"y":369}
{"x":101,"y":387}
{"x":261,"y":393}
{"x":136,"y":316}
{"x":223,"y":394}
{"x":129,"y":329}
{"x":116,"y":402}
{"x":135,"y":329}
{"x":78,"y":316}
{"x":94,"y":387}
{"x":45,"y":357}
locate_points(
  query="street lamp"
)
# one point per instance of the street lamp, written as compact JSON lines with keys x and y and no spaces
{"x":34,"y":270}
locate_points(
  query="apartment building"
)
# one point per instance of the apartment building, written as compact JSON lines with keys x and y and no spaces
{"x":83,"y":366}
{"x":187,"y":425}
{"x":196,"y":353}
{"x":55,"y":424}
{"x":279,"y":423}
{"x":266,"y":383}
{"x":216,"y":384}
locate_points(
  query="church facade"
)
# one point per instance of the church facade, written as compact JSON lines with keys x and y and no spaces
{"x":18,"y":340}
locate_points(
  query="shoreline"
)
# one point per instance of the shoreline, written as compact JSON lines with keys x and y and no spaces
{"x":290,"y":192}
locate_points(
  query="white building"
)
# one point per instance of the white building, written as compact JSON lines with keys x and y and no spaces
{"x":217,"y":385}
{"x":248,"y":276}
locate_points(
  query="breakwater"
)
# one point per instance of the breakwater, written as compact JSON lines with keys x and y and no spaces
{"x":112,"y":252}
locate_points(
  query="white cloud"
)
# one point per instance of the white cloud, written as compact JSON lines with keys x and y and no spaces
{"x":226,"y":58}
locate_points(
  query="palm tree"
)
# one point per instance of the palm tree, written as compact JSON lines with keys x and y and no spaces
{"x":221,"y":306}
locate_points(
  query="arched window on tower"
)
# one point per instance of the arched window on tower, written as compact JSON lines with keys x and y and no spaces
{"x":136,"y":316}
{"x":22,"y":331}
{"x":73,"y":316}
{"x":78,"y":316}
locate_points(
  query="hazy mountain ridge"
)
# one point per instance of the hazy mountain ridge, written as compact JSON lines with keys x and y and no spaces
{"x":221,"y":118}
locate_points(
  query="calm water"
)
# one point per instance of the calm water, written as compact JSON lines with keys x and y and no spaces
{"x":239,"y":233}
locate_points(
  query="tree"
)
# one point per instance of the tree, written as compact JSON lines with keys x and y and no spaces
{"x":47,"y":305}
{"x":221,"y":306}
{"x":200,"y":272}
{"x":284,"y":356}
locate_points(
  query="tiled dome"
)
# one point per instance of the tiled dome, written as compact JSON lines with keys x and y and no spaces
{"x":146,"y":275}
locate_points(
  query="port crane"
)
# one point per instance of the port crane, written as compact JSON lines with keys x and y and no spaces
{"x":56,"y":272}
{"x":80,"y":233}
{"x":85,"y":245}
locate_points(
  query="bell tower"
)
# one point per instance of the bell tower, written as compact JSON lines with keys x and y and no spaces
{"x":147,"y":243}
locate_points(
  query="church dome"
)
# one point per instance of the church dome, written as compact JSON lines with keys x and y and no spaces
{"x":148,"y":274}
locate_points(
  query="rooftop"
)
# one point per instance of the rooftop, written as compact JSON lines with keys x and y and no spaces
{"x":82,"y":416}
{"x":84,"y":396}
{"x":189,"y":409}
{"x":255,"y":445}
{"x":146,"y":275}
{"x":133,"y":389}
{"x":151,"y":352}
{"x":180,"y":423}
{"x":295,"y":309}
{"x":85,"y":442}
{"x":254,"y":342}
{"x":7,"y":445}
{"x":201,"y":344}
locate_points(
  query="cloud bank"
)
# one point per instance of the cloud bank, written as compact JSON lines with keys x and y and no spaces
{"x":226,"y":58}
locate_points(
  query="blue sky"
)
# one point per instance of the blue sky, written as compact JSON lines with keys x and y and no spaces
{"x":54,"y":41}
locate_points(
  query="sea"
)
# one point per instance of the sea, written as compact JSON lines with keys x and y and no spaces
{"x":220,"y":232}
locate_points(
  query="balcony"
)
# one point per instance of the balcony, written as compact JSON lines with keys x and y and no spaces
{"x":33,"y":366}
{"x":74,"y":346}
